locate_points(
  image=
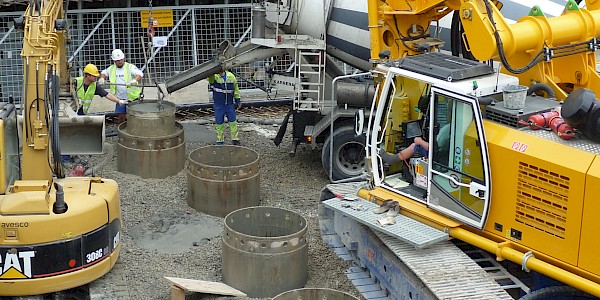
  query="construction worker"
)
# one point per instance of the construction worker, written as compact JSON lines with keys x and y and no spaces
{"x":86,"y":88}
{"x":123,"y":78}
{"x":226,"y":98}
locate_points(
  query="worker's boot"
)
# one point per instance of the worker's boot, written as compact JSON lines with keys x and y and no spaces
{"x":233,"y":129}
{"x":384,"y":207}
{"x":385,"y":221}
{"x":394,"y":209}
{"x":220,"y":129}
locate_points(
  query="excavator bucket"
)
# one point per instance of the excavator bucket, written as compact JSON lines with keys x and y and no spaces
{"x":78,"y":135}
{"x":81,"y":135}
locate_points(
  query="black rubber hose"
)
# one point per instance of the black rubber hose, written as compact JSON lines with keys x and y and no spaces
{"x":553,"y":292}
{"x":500,"y":46}
{"x":52,"y":99}
{"x":110,"y":151}
{"x":455,"y":34}
{"x":282,"y":128}
{"x":457,"y":45}
{"x":541,"y":87}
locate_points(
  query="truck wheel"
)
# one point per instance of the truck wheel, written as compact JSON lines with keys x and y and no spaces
{"x":348,"y":153}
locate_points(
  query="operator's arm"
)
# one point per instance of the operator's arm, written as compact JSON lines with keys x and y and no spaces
{"x":137,"y":74}
{"x":421,"y":142}
{"x":100,"y":91}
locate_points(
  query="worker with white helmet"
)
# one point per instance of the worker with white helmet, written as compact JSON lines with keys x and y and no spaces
{"x":123,"y":78}
{"x":86,"y":88}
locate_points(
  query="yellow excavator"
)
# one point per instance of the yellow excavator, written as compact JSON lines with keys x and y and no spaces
{"x":57,"y":232}
{"x":512,"y":160}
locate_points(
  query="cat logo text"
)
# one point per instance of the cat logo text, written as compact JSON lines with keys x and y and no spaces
{"x":16,"y":265}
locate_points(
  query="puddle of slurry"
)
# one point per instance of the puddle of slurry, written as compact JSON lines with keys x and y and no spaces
{"x":177,"y":235}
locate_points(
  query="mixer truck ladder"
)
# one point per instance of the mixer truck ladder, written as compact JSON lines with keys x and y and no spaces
{"x":310,"y":79}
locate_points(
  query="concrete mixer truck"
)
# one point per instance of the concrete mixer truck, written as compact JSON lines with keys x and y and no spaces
{"x":314,"y":32}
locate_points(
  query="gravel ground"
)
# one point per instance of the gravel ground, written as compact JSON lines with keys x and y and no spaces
{"x":163,"y":236}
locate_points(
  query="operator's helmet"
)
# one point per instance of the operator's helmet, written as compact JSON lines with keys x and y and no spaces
{"x":91,"y":69}
{"x":117,"y":54}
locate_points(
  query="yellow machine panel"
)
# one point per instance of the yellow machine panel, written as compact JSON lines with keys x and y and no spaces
{"x":537,"y":192}
{"x":589,"y":259}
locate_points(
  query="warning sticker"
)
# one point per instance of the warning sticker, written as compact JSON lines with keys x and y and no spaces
{"x":161,"y":17}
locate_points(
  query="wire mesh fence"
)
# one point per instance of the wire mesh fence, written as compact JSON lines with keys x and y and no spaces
{"x":191,"y":35}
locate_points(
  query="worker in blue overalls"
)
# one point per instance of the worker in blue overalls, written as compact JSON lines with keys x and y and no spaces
{"x":226,"y":99}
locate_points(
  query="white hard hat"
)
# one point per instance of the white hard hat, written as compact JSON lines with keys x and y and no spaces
{"x":117,"y":54}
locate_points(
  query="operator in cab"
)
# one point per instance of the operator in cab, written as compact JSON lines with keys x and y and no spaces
{"x":419,"y":147}
{"x":86,"y":88}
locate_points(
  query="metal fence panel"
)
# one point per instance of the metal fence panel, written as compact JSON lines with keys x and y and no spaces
{"x":11,"y":67}
{"x":196,"y":33}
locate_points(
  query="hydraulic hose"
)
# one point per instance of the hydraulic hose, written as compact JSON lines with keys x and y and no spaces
{"x":541,"y":87}
{"x":455,"y":34}
{"x":500,"y":47}
{"x":457,"y":45}
{"x":553,"y":292}
{"x":52,"y":90}
{"x":110,"y":151}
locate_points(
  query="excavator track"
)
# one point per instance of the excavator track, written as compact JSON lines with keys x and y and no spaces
{"x":111,"y":286}
{"x":383,"y":266}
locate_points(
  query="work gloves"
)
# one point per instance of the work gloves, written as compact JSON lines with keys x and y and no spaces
{"x":101,"y":81}
{"x":133,"y":82}
{"x":123,"y":102}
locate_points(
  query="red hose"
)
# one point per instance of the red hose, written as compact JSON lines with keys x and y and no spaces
{"x":564,"y":130}
{"x":542,"y":120}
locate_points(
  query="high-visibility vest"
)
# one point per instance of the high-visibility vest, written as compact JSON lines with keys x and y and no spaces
{"x":133,"y":92}
{"x":224,"y":91}
{"x":85,"y":97}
